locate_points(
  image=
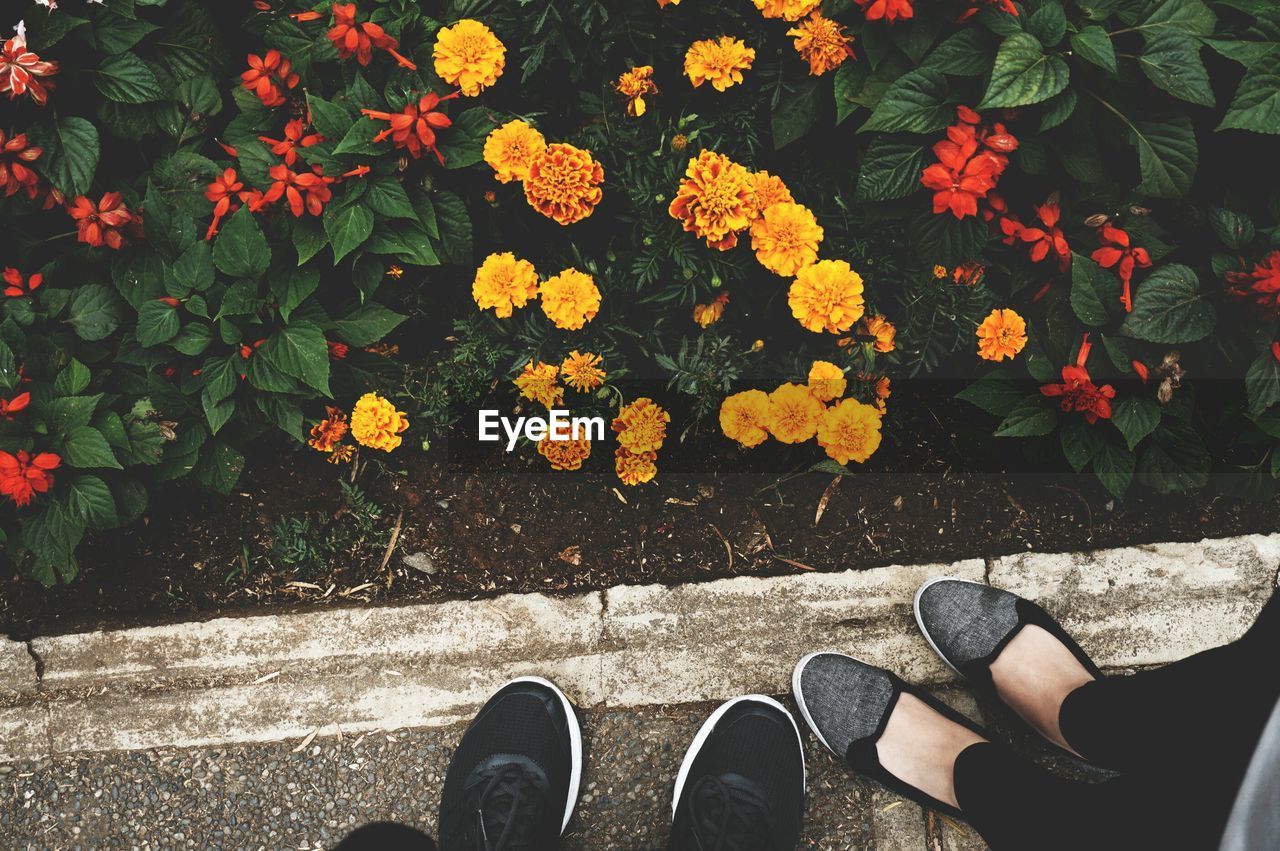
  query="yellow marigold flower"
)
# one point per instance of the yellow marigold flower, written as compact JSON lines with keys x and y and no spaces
{"x":826,"y":296}
{"x":822,"y":43}
{"x":342,"y":454}
{"x":468,"y":55}
{"x":511,"y":148}
{"x":1001,"y":335}
{"x":634,"y":85}
{"x":376,"y":423}
{"x":570,"y":299}
{"x":714,"y":201}
{"x":641,"y":426}
{"x":565,"y":454}
{"x":793,"y":413}
{"x":939,"y":272}
{"x":849,"y":430}
{"x":719,"y":62}
{"x":537,"y":383}
{"x":883,"y":331}
{"x":563,"y":183}
{"x":634,"y":468}
{"x":503,"y":282}
{"x":582,"y":371}
{"x":679,"y":142}
{"x":786,"y":237}
{"x":826,"y":381}
{"x":744,"y":417}
{"x":328,"y":433}
{"x":789,"y":10}
{"x":662,"y":4}
{"x":766,"y":190}
{"x":709,"y":314}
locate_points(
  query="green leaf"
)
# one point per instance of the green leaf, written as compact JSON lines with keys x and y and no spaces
{"x":241,"y":250}
{"x":44,"y":31}
{"x":90,"y":501}
{"x":1188,"y":17}
{"x":455,"y":228}
{"x":1114,"y":466}
{"x":157,"y":323}
{"x":1058,"y":109}
{"x":1172,"y":61}
{"x":463,"y":143}
{"x":1136,"y":417}
{"x":1169,"y":308}
{"x":193,"y":338}
{"x":68,"y":413}
{"x":217,"y":413}
{"x":124,"y":78}
{"x":73,"y":378}
{"x":1080,"y":442}
{"x":220,"y":466}
{"x":367,"y":324}
{"x":850,"y":79}
{"x":359,"y":140}
{"x":946,"y":239}
{"x":117,"y":35}
{"x":95,"y":311}
{"x":308,"y":238}
{"x":1032,"y":417}
{"x":890,"y":170}
{"x":347,"y":228}
{"x":71,"y":151}
{"x":1262,"y":383}
{"x":86,"y":447}
{"x":794,"y":113}
{"x":966,"y":53}
{"x":1048,"y":24}
{"x":191,"y":272}
{"x":332,"y":120}
{"x":1167,"y":154}
{"x":1023,"y":74}
{"x":299,"y":350}
{"x":1176,"y":460}
{"x":1234,"y":229}
{"x":1256,"y":105}
{"x":1093,"y":45}
{"x":1095,"y":292}
{"x":291,"y":288}
{"x":917,"y":102}
{"x":386,"y":197}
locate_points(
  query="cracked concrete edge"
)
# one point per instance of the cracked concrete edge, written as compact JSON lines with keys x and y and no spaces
{"x":273,"y":677}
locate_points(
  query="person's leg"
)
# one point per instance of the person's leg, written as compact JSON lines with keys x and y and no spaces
{"x":1255,"y":818}
{"x":386,"y":836}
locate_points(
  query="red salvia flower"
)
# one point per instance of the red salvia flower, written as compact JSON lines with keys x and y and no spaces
{"x":1005,"y":6}
{"x":1049,"y":238}
{"x":352,"y":39}
{"x":16,"y":287}
{"x":414,"y":127}
{"x":1275,"y":351}
{"x":295,"y":136}
{"x":269,"y":77}
{"x":1259,"y":287}
{"x":101,"y":224}
{"x":887,"y":10}
{"x":1077,"y":391}
{"x":16,"y":174}
{"x":22,"y":477}
{"x":358,"y":171}
{"x":23,"y":72}
{"x":1118,"y":254}
{"x":970,"y":162}
{"x":1141,"y":368}
{"x":307,"y":191}
{"x":9,"y":407}
{"x":337,"y":350}
{"x":304,"y":17}
{"x":223,"y":193}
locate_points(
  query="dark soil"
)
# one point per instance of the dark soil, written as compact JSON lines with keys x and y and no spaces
{"x":485,"y":523}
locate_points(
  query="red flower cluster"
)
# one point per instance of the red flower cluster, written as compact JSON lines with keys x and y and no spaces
{"x":1259,"y":287}
{"x":975,"y":6}
{"x":21,"y":70}
{"x":22,"y":477}
{"x":337,"y":351}
{"x":226,"y":192}
{"x":970,"y":162}
{"x":414,"y":127}
{"x":352,"y":39}
{"x":16,"y":156}
{"x":1045,"y":240}
{"x":16,"y":287}
{"x":887,"y":10}
{"x":9,"y":407}
{"x":1078,"y":392}
{"x":308,"y":190}
{"x":1118,"y":254}
{"x":269,"y":77}
{"x":295,"y":136}
{"x":103,"y":223}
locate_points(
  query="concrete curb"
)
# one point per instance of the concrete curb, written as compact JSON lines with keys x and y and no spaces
{"x":267,"y":678}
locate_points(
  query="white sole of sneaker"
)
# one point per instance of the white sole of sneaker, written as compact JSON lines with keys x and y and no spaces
{"x":704,"y":732}
{"x":575,"y":745}
{"x":798,"y":693}
{"x":915,"y":607}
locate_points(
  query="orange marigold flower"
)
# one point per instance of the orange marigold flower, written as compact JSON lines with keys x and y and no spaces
{"x":939,"y":272}
{"x":102,"y":223}
{"x":376,"y":423}
{"x":1118,"y":254}
{"x":341,"y":454}
{"x":715,"y":200}
{"x":849,"y":431}
{"x":826,"y":381}
{"x":887,"y":10}
{"x":295,"y":136}
{"x":269,"y":77}
{"x":719,"y":62}
{"x":1001,"y":335}
{"x":1077,"y":392}
{"x":793,"y":413}
{"x":662,"y":4}
{"x":352,"y":39}
{"x":884,"y":332}
{"x":641,"y":426}
{"x":786,"y":238}
{"x":1258,"y":287}
{"x":822,"y":43}
{"x":16,"y":286}
{"x":22,"y":477}
{"x":468,"y":55}
{"x":503,"y":282}
{"x":563,"y":183}
{"x":634,"y":85}
{"x":537,"y":383}
{"x":570,"y":300}
{"x":744,"y":417}
{"x":308,"y":191}
{"x":414,"y":127}
{"x":16,"y":157}
{"x":788,"y":10}
{"x":329,"y":432}
{"x":634,"y":468}
{"x":9,"y":407}
{"x":826,"y":296}
{"x":708,"y":314}
{"x":582,"y":372}
{"x":22,"y":71}
{"x":565,"y":454}
{"x":969,"y":274}
{"x":766,"y":190}
{"x":511,"y":149}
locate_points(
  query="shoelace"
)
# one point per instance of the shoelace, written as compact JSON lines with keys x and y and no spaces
{"x":510,"y":803}
{"x":729,"y":817}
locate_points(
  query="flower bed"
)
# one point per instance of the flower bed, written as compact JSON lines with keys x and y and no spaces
{"x":339,"y":228}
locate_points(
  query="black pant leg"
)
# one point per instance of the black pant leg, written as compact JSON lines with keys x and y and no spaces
{"x":386,"y":836}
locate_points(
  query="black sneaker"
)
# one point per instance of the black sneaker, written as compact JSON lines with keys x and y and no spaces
{"x":513,"y":781}
{"x":741,"y":785}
